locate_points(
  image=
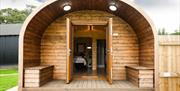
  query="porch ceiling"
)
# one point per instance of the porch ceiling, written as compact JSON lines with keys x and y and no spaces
{"x":52,"y":9}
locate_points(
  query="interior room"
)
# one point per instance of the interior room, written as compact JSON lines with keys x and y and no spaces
{"x":89,"y":51}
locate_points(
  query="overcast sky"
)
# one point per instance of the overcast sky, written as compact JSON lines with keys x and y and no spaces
{"x":164,"y":13}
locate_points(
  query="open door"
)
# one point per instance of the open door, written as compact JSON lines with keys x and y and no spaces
{"x":69,"y":38}
{"x":109,"y":51}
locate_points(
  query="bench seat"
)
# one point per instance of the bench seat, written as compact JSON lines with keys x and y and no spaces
{"x":141,"y":76}
{"x":37,"y":76}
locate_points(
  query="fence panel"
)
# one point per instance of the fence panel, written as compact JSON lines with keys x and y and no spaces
{"x":169,"y":63}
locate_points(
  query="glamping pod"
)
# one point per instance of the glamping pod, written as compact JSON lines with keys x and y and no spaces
{"x":87,"y":43}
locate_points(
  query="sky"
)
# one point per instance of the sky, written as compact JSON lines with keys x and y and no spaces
{"x":164,"y":13}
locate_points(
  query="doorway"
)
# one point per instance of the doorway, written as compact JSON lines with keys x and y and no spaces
{"x":101,"y":57}
{"x":89,"y":56}
{"x":82,"y":57}
{"x":85,"y":51}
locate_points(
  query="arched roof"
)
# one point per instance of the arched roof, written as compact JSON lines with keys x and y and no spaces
{"x":53,"y":9}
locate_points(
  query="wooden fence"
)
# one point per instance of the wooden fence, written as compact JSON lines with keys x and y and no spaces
{"x":169,"y":62}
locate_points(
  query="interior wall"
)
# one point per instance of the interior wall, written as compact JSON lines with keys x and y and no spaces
{"x":125,"y":44}
{"x":97,"y":32}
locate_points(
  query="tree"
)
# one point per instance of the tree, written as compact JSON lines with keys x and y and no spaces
{"x":162,"y":32}
{"x":10,"y":15}
{"x":177,"y":32}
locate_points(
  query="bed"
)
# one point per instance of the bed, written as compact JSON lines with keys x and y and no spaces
{"x":80,"y":63}
{"x":80,"y":59}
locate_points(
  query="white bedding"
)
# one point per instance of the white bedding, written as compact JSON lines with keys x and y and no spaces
{"x":80,"y":59}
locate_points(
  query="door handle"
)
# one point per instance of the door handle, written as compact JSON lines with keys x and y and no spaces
{"x":69,"y":51}
{"x":109,"y":51}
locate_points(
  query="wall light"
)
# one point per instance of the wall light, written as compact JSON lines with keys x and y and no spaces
{"x":89,"y":47}
{"x":112,"y":7}
{"x":115,"y":34}
{"x":67,"y":7}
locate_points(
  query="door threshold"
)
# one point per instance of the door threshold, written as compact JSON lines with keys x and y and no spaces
{"x":89,"y":78}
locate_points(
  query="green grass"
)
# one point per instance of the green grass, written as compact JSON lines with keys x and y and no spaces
{"x":7,"y":71}
{"x":8,"y":81}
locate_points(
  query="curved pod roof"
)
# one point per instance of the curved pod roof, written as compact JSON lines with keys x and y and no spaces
{"x":52,"y":9}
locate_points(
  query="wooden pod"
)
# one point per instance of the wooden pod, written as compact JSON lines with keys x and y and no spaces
{"x":36,"y":35}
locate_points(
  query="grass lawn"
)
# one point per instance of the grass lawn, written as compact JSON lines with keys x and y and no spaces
{"x":8,"y":79}
{"x":9,"y":71}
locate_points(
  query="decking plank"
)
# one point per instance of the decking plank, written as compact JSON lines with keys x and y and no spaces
{"x":89,"y":85}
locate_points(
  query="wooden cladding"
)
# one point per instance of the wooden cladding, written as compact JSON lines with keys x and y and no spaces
{"x":53,"y":43}
{"x":53,"y":48}
{"x":31,"y":49}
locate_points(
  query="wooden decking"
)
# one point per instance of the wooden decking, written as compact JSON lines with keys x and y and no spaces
{"x":88,"y":85}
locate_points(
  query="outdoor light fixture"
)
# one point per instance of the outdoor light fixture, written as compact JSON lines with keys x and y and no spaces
{"x":115,"y":34}
{"x":112,"y":7}
{"x":67,"y":7}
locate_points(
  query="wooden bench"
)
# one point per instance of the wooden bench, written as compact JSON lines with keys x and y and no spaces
{"x":140,"y":76}
{"x":37,"y":76}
